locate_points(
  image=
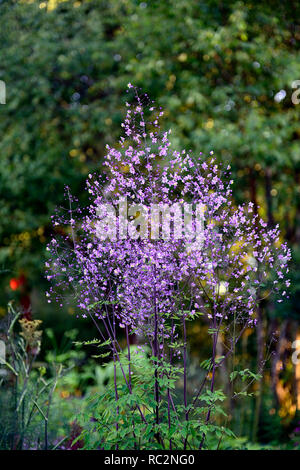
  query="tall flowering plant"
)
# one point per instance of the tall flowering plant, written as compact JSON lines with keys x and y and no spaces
{"x":162,"y":244}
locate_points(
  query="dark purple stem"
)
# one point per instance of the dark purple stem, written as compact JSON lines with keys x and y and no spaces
{"x":215,"y":339}
{"x":185,"y":377}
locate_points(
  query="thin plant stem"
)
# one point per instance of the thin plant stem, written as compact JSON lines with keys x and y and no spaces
{"x":185,"y":378}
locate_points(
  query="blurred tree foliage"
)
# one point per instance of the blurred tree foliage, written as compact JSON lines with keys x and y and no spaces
{"x":222,"y":70}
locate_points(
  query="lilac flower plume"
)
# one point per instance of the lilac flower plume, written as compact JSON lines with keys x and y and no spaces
{"x":148,"y":285}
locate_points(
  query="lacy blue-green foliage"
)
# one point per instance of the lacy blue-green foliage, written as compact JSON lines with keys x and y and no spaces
{"x":34,"y":416}
{"x":109,"y":423}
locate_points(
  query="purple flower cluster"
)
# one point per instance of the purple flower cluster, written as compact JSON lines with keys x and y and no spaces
{"x":148,"y":286}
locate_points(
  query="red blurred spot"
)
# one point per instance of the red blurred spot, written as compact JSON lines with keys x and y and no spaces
{"x":14,"y":284}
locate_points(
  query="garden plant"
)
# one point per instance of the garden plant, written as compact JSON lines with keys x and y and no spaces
{"x":161,"y":244}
